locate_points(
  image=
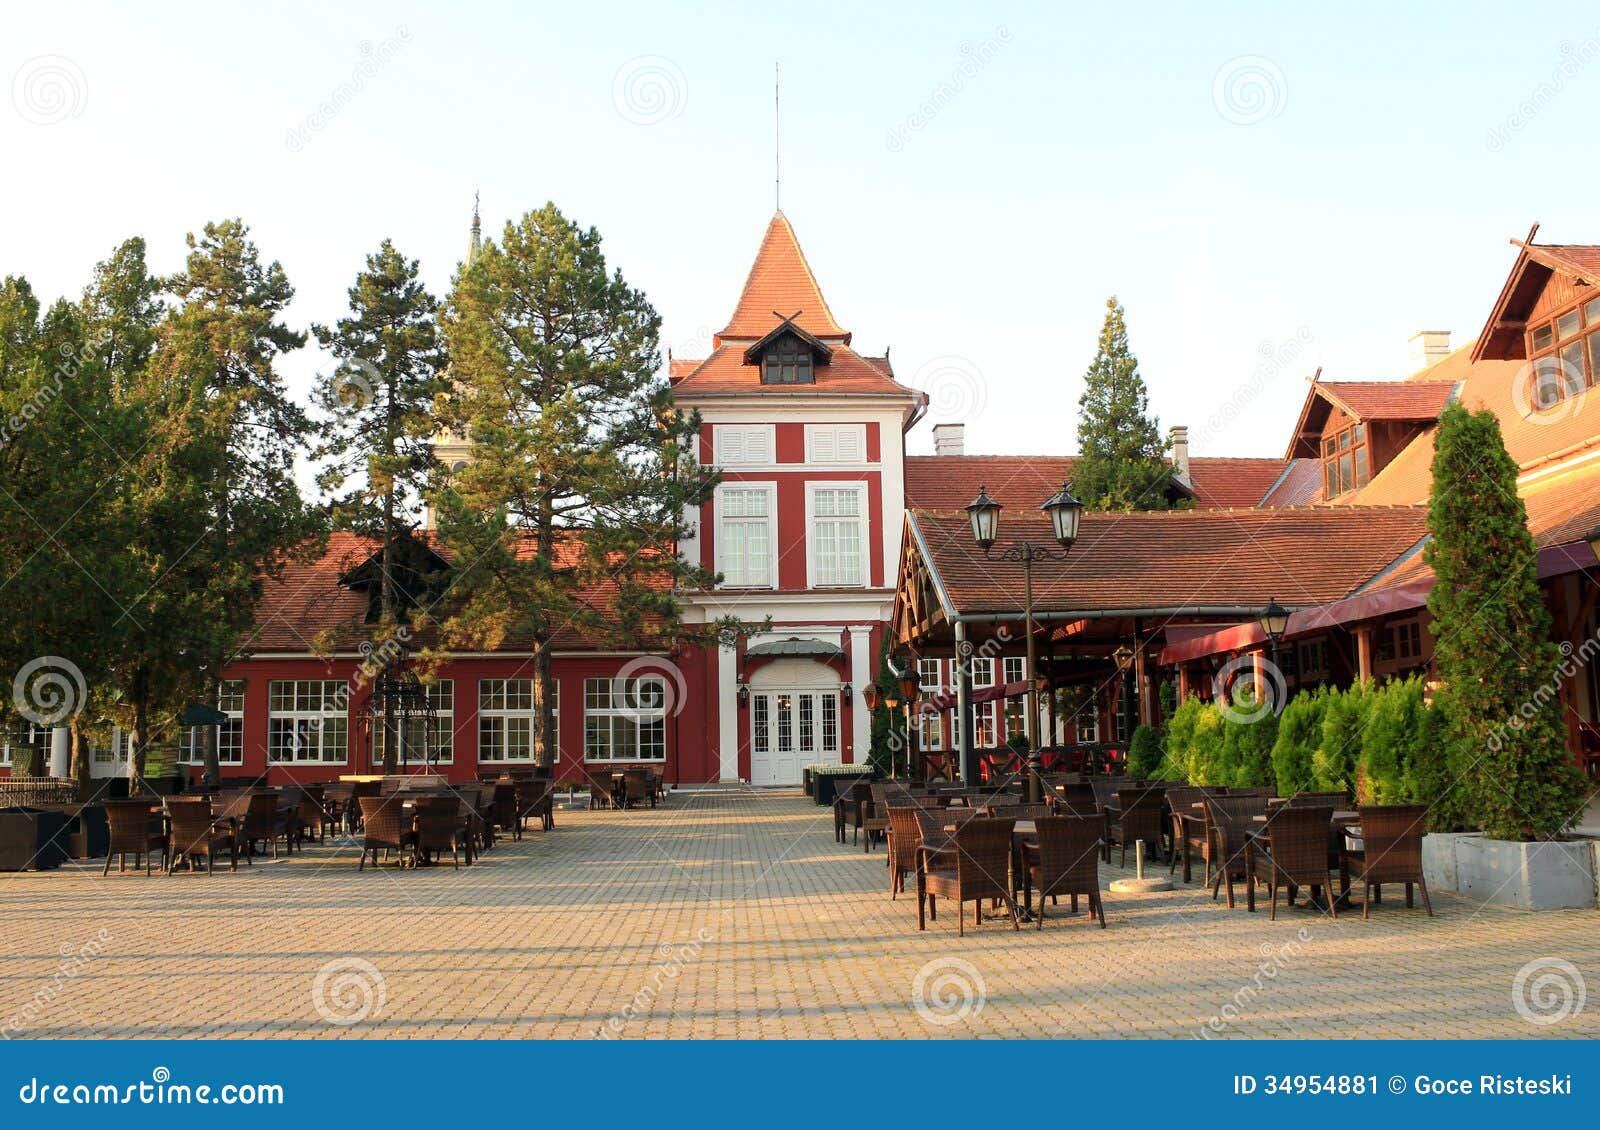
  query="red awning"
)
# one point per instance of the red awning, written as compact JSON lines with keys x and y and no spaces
{"x":935,"y":704}
{"x":1554,"y":561}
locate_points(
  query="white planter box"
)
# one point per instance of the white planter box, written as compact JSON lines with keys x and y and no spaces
{"x":1539,"y":876}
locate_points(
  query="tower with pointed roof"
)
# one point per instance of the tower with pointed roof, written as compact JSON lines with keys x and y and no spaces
{"x":805,"y":527}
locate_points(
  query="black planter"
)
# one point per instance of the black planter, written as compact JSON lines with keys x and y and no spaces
{"x":825,"y":786}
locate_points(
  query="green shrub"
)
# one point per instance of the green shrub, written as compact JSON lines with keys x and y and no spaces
{"x":1335,"y":763}
{"x":1432,"y":778}
{"x":1248,"y":740}
{"x":1299,"y":736}
{"x":1206,"y":753}
{"x":1389,"y":742}
{"x":1145,"y":754}
{"x":1180,"y":740}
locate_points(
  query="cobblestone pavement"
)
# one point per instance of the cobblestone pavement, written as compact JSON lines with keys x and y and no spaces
{"x":734,"y":914}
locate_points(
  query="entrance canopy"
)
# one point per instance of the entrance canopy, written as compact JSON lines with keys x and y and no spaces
{"x":795,"y":648}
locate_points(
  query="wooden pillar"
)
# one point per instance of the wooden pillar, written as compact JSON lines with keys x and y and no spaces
{"x":964,"y":736}
{"x":1183,"y":682}
{"x":1363,"y":654}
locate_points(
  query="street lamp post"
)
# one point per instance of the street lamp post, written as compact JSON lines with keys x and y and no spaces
{"x":1274,"y":622}
{"x":1064,"y":511}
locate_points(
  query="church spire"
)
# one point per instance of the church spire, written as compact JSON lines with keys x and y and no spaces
{"x":477,"y":232}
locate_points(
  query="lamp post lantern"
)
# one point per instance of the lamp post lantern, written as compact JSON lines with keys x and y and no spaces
{"x":1064,"y":511}
{"x":1274,"y":622}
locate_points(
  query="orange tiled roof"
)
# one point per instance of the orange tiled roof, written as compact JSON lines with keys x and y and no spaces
{"x":1389,"y":400}
{"x":1019,"y":482}
{"x":1177,"y":560}
{"x":307,"y":601}
{"x":780,"y":279}
{"x":848,"y":374}
{"x":1299,"y":485}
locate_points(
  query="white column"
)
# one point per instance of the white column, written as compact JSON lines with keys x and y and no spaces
{"x":860,"y":677}
{"x":728,"y":712}
{"x":60,"y":752}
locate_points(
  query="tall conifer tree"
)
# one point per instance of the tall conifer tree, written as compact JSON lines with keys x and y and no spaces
{"x":1120,"y":463}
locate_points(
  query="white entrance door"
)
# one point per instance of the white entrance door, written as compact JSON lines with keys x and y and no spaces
{"x":790,"y":729}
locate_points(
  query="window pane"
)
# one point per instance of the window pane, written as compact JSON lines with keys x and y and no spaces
{"x":1571,"y":369}
{"x":1591,"y":312}
{"x":1567,"y":325}
{"x":1542,"y":337}
{"x":1361,"y":466}
{"x":1594,"y":358}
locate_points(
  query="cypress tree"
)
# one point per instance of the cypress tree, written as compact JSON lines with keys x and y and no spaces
{"x":1505,"y":736}
{"x":1121,"y":465}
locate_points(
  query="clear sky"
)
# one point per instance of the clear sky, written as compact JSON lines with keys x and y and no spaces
{"x":1268,"y":188}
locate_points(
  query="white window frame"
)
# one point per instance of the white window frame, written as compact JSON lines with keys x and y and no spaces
{"x":331,"y":691}
{"x":509,"y":714}
{"x":1086,"y":723}
{"x":983,"y":663}
{"x":822,"y":444}
{"x":771,"y":491}
{"x":980,"y":711}
{"x":230,"y":736}
{"x":610,"y":704}
{"x":18,"y":735}
{"x":923,"y":675}
{"x":863,"y":533}
{"x":731,"y":445}
{"x":930,"y":730}
{"x":1021,"y":668}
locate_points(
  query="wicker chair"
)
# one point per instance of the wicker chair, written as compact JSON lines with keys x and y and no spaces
{"x":441,"y":825}
{"x":504,"y":806}
{"x":534,"y":802}
{"x":195,"y":835}
{"x":338,"y":804}
{"x":1065,"y":861}
{"x":1137,"y":817}
{"x":851,"y":809}
{"x":265,"y":823}
{"x":385,"y":826}
{"x":979,"y":868}
{"x":1078,"y":796}
{"x":1292,"y":851}
{"x":1391,"y":852}
{"x":905,"y":838}
{"x":1188,"y":827}
{"x":638,"y":787}
{"x":312,"y":816}
{"x":134,"y":831}
{"x":1317,"y":800}
{"x":1229,"y":821}
{"x":600,"y":790}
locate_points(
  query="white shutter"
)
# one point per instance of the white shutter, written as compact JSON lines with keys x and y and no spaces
{"x":841,"y":443}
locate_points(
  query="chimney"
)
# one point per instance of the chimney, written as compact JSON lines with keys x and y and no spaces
{"x":949,"y":439}
{"x":1178,"y":445}
{"x":1429,"y":347}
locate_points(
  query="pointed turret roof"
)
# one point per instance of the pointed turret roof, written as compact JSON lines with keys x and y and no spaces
{"x":781,"y":280}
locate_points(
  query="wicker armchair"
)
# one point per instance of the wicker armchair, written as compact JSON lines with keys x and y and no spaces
{"x":196,"y":835}
{"x":1064,"y":861}
{"x":1391,"y":852}
{"x":638,"y":787}
{"x":441,"y":825}
{"x":1229,"y":822}
{"x":504,"y":806}
{"x":600,"y":790}
{"x":312,"y":815}
{"x":1292,"y":850}
{"x":905,"y":838}
{"x":1187,"y":833}
{"x":134,"y":831}
{"x":534,"y":802}
{"x":1136,"y":817}
{"x":265,"y":823}
{"x":851,"y":809}
{"x":385,"y":827}
{"x":979,"y":867}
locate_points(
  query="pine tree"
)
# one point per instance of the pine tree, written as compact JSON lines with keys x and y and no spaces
{"x":1120,"y":464}
{"x":1506,"y":738}
{"x":581,"y":474}
{"x":227,"y":334}
{"x":380,"y":405}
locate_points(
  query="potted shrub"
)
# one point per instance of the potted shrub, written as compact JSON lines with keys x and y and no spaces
{"x":1499,"y":680}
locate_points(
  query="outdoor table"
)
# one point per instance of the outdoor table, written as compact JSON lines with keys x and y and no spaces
{"x":1343,"y":824}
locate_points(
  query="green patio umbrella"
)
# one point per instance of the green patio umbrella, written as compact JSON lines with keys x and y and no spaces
{"x":199,"y":714}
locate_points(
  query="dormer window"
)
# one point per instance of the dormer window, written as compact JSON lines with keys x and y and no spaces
{"x":787,"y":362}
{"x":1565,"y":355}
{"x":1345,"y":462}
